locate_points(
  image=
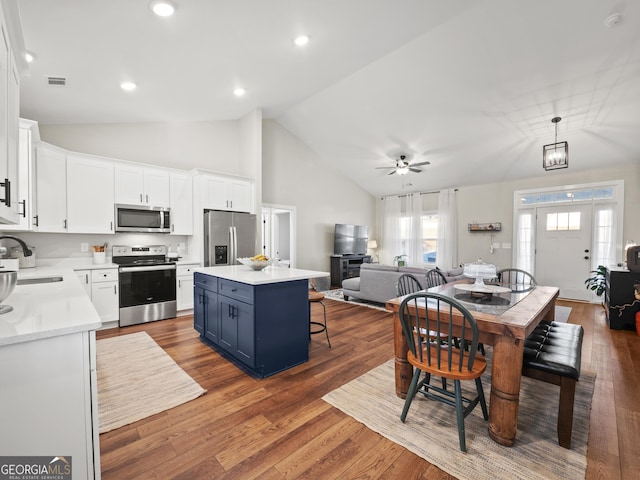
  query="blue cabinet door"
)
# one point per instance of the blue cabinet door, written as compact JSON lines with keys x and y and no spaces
{"x":237,"y":329}
{"x":198,"y":310}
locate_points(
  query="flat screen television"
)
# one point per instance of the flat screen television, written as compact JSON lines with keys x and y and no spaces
{"x":350,"y":239}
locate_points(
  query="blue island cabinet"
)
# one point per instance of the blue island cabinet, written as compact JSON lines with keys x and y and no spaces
{"x":263,"y":329}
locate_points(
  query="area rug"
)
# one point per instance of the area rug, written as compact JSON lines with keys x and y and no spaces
{"x":137,"y":379}
{"x":430,"y":430}
{"x":337,"y":294}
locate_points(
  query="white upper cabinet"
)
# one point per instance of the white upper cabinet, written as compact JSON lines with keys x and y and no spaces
{"x":51,"y":189}
{"x":181,"y":203}
{"x":9,"y":111}
{"x":27,"y":136}
{"x":226,"y":193}
{"x":141,"y":185}
{"x":89,"y":194}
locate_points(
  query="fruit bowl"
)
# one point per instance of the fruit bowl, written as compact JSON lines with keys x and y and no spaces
{"x":255,"y":264}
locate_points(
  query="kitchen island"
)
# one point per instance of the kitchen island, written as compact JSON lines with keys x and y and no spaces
{"x":257,"y":319}
{"x":48,"y":381}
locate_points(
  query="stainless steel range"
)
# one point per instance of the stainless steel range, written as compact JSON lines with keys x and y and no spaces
{"x":147,"y":283}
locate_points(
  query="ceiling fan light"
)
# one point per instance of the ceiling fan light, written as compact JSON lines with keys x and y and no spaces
{"x":402,"y":170}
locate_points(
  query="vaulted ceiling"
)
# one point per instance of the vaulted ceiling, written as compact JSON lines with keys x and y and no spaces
{"x":470,"y":86}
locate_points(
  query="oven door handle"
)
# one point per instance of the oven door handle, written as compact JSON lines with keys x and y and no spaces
{"x":147,"y":268}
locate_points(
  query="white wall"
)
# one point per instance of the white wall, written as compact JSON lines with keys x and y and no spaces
{"x":208,"y":145}
{"x":494,"y":203}
{"x":292,"y":175}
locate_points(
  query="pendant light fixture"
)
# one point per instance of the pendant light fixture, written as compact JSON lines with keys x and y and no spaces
{"x":555,"y":155}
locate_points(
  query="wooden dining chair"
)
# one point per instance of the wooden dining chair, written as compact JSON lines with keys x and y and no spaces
{"x":434,"y":277}
{"x":408,"y":283}
{"x":442,"y":358}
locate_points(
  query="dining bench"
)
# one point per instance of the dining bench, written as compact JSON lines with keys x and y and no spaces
{"x":552,"y":354}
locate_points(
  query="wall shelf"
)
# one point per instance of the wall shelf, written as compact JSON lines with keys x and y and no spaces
{"x":485,"y":227}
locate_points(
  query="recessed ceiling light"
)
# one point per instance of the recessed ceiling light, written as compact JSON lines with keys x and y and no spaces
{"x":163,"y":8}
{"x":239,"y":92}
{"x":128,"y":86}
{"x":301,"y":40}
{"x":29,"y":57}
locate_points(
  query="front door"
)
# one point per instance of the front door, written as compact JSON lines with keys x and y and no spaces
{"x":563,"y":249}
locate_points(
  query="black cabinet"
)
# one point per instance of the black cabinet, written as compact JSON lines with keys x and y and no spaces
{"x":620,"y":299}
{"x":346,"y":266}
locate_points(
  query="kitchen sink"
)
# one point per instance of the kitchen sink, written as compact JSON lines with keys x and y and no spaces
{"x":36,"y":280}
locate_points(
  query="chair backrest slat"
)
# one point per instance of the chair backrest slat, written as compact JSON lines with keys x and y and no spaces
{"x":516,"y":276}
{"x":426,"y":329}
{"x":407,"y":284}
{"x":434,"y":277}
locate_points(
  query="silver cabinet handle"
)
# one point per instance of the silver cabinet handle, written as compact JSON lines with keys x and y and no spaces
{"x":140,"y":198}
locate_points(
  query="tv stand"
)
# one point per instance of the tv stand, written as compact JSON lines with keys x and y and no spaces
{"x":346,"y":266}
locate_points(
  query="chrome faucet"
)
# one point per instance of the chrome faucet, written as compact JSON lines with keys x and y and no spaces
{"x":25,"y":249}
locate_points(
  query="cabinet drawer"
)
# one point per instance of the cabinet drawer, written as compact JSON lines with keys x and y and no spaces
{"x":206,"y":281}
{"x":237,"y":290}
{"x":109,"y":275}
{"x":184,"y":270}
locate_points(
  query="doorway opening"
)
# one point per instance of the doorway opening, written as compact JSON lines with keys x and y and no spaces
{"x":279,"y":233}
{"x":560,"y":234}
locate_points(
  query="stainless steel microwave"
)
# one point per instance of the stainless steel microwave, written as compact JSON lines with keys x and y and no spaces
{"x":141,"y":218}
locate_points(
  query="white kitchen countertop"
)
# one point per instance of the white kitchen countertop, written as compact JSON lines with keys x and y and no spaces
{"x":271,"y":274}
{"x":47,"y":309}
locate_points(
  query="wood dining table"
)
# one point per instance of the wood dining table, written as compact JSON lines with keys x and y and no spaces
{"x":505,"y":329}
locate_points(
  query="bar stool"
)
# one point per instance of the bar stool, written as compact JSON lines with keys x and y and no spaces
{"x":317,"y":297}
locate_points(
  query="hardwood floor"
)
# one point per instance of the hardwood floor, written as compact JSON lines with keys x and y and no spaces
{"x":279,"y":427}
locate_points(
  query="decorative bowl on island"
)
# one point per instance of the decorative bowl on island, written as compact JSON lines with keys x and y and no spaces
{"x":255,"y":264}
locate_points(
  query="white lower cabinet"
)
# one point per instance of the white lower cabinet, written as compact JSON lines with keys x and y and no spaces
{"x":184,"y":290}
{"x":85,"y":279}
{"x":49,"y":400}
{"x":104,"y":293}
{"x":102,"y":287}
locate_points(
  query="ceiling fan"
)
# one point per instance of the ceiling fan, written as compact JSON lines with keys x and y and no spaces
{"x":403,"y":165}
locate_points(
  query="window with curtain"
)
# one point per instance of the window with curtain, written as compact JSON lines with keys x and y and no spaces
{"x":412,"y":227}
{"x":604,"y":236}
{"x":524,"y":245}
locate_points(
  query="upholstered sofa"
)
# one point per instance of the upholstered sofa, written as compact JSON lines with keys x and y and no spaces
{"x":377,"y":283}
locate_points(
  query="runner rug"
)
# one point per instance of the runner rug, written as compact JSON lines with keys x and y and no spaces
{"x":430,"y":430}
{"x":137,"y":379}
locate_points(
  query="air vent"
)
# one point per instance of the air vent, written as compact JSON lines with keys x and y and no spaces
{"x":57,"y":81}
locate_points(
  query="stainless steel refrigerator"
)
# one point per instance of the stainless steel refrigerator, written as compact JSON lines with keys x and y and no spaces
{"x":228,"y":236}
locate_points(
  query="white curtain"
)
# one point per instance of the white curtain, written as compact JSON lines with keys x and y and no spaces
{"x":604,"y":234}
{"x":524,"y":251}
{"x":391,"y":241}
{"x":413,"y":219}
{"x":447,"y":256}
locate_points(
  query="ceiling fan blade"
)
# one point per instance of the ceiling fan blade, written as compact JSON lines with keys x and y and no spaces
{"x":380,"y":168}
{"x":392,"y":172}
{"x":415,"y":170}
{"x":420,"y":164}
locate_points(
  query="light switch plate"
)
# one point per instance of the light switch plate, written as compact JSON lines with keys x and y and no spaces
{"x":506,"y":245}
{"x":84,"y":247}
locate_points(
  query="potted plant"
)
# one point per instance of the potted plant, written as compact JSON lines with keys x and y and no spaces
{"x":598,"y":282}
{"x":399,"y":259}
